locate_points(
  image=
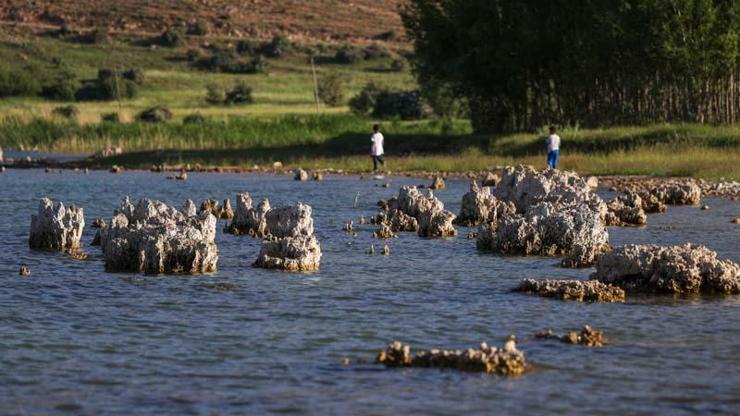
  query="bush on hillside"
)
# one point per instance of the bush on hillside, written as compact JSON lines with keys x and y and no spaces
{"x":240,"y":94}
{"x":110,"y":85}
{"x":69,"y":112}
{"x":200,"y":28}
{"x":99,"y":35}
{"x":228,"y":62}
{"x":398,"y":65}
{"x":157,"y":114}
{"x":375,"y":51}
{"x":407,"y":105}
{"x":14,"y":83}
{"x":195,"y":118}
{"x":364,"y":102}
{"x":348,"y":54}
{"x":135,"y":75}
{"x":215,"y":94}
{"x":110,"y":118}
{"x":331,"y":89}
{"x":278,"y":47}
{"x":171,"y":38}
{"x":193,"y":55}
{"x":63,"y":87}
{"x":246,"y":47}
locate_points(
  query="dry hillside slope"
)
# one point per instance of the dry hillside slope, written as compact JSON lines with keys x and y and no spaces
{"x":318,"y":20}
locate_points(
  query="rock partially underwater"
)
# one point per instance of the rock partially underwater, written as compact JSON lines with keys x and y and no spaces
{"x":577,"y":290}
{"x":685,"y":269}
{"x":626,"y":209}
{"x":480,"y":206}
{"x":249,"y":220}
{"x":153,"y":238}
{"x":56,"y":227}
{"x":412,"y":211}
{"x":588,"y":337}
{"x":507,"y":360}
{"x":290,"y":244}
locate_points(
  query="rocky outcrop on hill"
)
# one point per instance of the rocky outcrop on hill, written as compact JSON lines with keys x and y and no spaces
{"x":577,"y":290}
{"x":507,"y":360}
{"x":153,"y":238}
{"x":56,"y":227}
{"x":682,"y":269}
{"x":290,"y":244}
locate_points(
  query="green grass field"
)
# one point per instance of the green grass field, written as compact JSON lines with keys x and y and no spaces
{"x":283,"y":125}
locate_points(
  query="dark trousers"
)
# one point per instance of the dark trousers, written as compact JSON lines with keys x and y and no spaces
{"x":377,"y":159}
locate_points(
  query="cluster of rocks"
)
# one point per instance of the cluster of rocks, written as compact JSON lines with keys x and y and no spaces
{"x":289,"y":243}
{"x":211,"y":206}
{"x":588,"y":337}
{"x":626,"y":209}
{"x":56,"y":227}
{"x":555,"y":213}
{"x":657,"y":192}
{"x":412,"y":211}
{"x":480,"y":206}
{"x":577,"y":290}
{"x":302,"y":175}
{"x":682,"y":269}
{"x":507,"y":360}
{"x":109,"y":151}
{"x":154,"y":238}
{"x":247,"y":219}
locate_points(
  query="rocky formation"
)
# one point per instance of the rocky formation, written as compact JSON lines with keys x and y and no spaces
{"x":226,"y":213}
{"x":248,"y":220}
{"x":679,"y":269}
{"x":300,"y":175}
{"x":626,"y":210}
{"x":433,"y":220}
{"x":557,"y":214}
{"x":651,"y":204}
{"x":672,"y":191}
{"x":108,"y":152}
{"x":491,"y":179}
{"x":154,"y":238}
{"x":397,"y":221}
{"x":547,"y":230}
{"x":188,"y":208}
{"x":577,"y":290}
{"x":291,"y":244}
{"x":480,"y":206}
{"x":24,"y":271}
{"x":56,"y":227}
{"x":438,"y":183}
{"x":507,"y":360}
{"x":588,"y":337}
{"x":384,"y":231}
{"x":679,"y":193}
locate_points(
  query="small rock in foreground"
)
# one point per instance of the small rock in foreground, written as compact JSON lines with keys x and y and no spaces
{"x":588,"y":337}
{"x":24,"y":271}
{"x":507,"y":360}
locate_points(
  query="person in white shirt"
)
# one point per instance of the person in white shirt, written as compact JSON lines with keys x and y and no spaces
{"x":376,"y":151}
{"x":553,"y":148}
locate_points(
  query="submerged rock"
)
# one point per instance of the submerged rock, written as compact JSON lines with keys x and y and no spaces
{"x":679,"y":193}
{"x":291,"y":244}
{"x":626,"y":210}
{"x":300,"y":175}
{"x":109,"y":151}
{"x":154,"y":238}
{"x":588,"y":337}
{"x":577,"y":290}
{"x":651,"y":204}
{"x":56,"y":227}
{"x":545,"y":230}
{"x":24,"y":271}
{"x":384,"y":231}
{"x":507,"y":360}
{"x":479,"y":206}
{"x":433,"y":220}
{"x":397,"y":221}
{"x":248,"y":220}
{"x":679,"y":269}
{"x":438,"y":183}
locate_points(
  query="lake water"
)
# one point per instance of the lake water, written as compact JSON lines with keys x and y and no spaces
{"x":78,"y":340}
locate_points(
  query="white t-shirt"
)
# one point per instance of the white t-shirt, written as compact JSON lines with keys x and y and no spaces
{"x":553,"y":142}
{"x":377,"y":139}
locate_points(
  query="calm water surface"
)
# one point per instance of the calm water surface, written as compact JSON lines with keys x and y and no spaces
{"x":77,"y":340}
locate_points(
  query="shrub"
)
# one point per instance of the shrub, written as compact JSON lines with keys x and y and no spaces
{"x":376,"y":51}
{"x":110,"y":118}
{"x":230,"y":63}
{"x":135,"y":75}
{"x":171,"y":38}
{"x":443,"y":100}
{"x":389,"y":36}
{"x":331,"y":89}
{"x":279,"y":46}
{"x":194,"y":118}
{"x":245,"y":47}
{"x":18,"y":83}
{"x":348,"y":54}
{"x":193,"y":55}
{"x":407,"y":105}
{"x":109,"y":86}
{"x":398,"y":65}
{"x":156,"y":114}
{"x":215,"y":94}
{"x":62,"y":88}
{"x":99,"y":35}
{"x":260,"y":65}
{"x":240,"y":94}
{"x":200,"y":28}
{"x":67,"y":111}
{"x":364,"y":101}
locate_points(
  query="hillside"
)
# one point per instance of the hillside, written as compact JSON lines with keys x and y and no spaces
{"x":315,"y":20}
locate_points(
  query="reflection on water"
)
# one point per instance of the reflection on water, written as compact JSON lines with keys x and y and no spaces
{"x":247,"y":341}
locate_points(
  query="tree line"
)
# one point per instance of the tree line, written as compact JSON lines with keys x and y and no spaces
{"x":522,"y":64}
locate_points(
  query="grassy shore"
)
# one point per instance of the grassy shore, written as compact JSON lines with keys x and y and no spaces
{"x":283,"y":124}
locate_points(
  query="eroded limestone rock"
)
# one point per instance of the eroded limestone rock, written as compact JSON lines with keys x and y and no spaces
{"x":438,"y":183}
{"x":248,"y":220}
{"x":300,"y":175}
{"x":290,"y":244}
{"x":626,"y":210}
{"x":588,"y":337}
{"x":685,"y":269}
{"x":507,"y":360}
{"x":226,"y":213}
{"x":433,"y":219}
{"x":56,"y":227}
{"x":577,"y":290}
{"x":480,"y":206}
{"x":154,"y":238}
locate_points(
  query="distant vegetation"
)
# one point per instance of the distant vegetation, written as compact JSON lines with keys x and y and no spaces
{"x":525,"y":64}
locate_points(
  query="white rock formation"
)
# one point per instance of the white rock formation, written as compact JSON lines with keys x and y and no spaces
{"x":56,"y":227}
{"x":249,"y":220}
{"x":433,"y":219}
{"x":290,"y":244}
{"x":479,"y":206}
{"x":682,"y":269}
{"x":626,"y":210}
{"x":154,"y":238}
